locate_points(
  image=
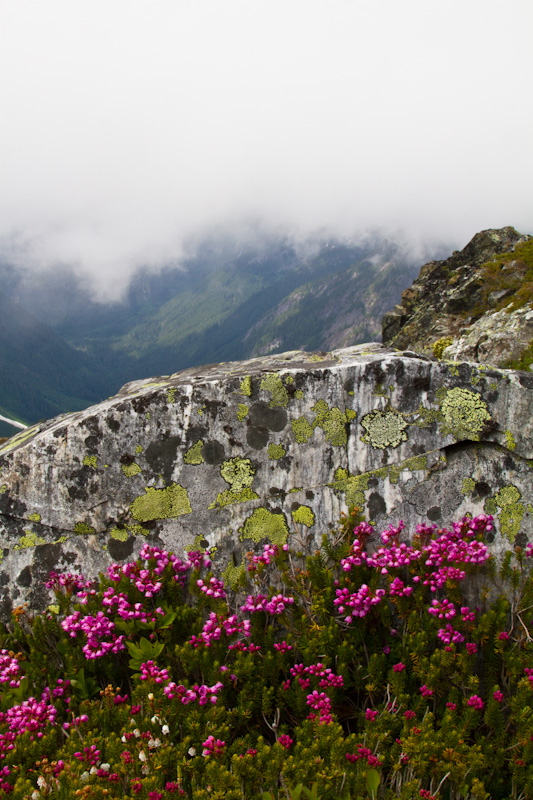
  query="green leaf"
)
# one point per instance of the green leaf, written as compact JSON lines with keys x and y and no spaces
{"x":373,"y":780}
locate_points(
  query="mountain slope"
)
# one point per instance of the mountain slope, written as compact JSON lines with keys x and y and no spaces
{"x":476,"y":305}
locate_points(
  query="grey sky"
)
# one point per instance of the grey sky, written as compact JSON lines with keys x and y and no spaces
{"x":129,"y":125}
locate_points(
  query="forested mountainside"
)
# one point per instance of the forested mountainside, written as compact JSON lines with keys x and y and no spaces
{"x":476,"y":305}
{"x":62,"y":350}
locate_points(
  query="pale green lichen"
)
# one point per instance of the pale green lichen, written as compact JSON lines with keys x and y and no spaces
{"x":272,"y":383}
{"x":121,"y":534}
{"x":29,"y":540}
{"x":194,"y":454}
{"x":469,"y":485}
{"x":90,"y":461}
{"x":275,"y":451}
{"x":229,"y":497}
{"x":302,"y":430}
{"x":510,"y":440}
{"x":139,"y":448}
{"x":303,"y":515}
{"x":3,"y":488}
{"x":384,"y":428}
{"x":242,"y":411}
{"x":289,"y":379}
{"x":34,"y":517}
{"x":53,"y":609}
{"x":299,"y":395}
{"x":245,"y":387}
{"x":82,"y":527}
{"x":464,"y":414}
{"x":171,"y":395}
{"x":262,"y":524}
{"x":168,"y":503}
{"x":350,"y":414}
{"x":200,"y":411}
{"x":130,"y":470}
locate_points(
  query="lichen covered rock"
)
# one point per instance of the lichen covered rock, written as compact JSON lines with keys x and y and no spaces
{"x":233,"y":455}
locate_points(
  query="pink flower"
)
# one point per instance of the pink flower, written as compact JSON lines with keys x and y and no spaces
{"x":399,"y":667}
{"x":475,"y":702}
{"x":498,"y":696}
{"x":370,"y":715}
{"x":285,"y":741}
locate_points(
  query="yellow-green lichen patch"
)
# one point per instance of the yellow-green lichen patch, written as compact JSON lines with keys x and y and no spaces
{"x":509,"y":440}
{"x":275,"y":451}
{"x":139,"y":448}
{"x":130,"y":470}
{"x":262,"y":524}
{"x":200,"y":411}
{"x":302,"y":430}
{"x":512,"y":511}
{"x":464,"y":414}
{"x":20,"y":438}
{"x":440,"y":346}
{"x":355,"y":486}
{"x":29,"y":540}
{"x":233,"y":575}
{"x":138,"y":530}
{"x":171,"y":395}
{"x":303,"y":515}
{"x":414,"y":464}
{"x":242,"y":411}
{"x":3,"y":488}
{"x":194,"y":454}
{"x":384,"y":428}
{"x":82,"y":527}
{"x":245,"y":387}
{"x":350,"y":414}
{"x":239,"y":473}
{"x":53,"y":609}
{"x":167,"y":503}
{"x":121,"y":534}
{"x":272,"y":383}
{"x":299,"y":395}
{"x":332,"y":421}
{"x":469,"y":485}
{"x":90,"y":461}
{"x":34,"y":517}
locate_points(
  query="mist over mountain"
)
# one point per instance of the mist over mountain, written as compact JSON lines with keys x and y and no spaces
{"x":230,"y":299}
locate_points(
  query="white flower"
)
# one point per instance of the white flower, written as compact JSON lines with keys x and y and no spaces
{"x":142,"y":756}
{"x":93,"y":771}
{"x":41,"y":782}
{"x":155,"y":719}
{"x":35,"y":795}
{"x":165,"y":729}
{"x":154,"y":743}
{"x":192,"y":751}
{"x":105,"y":767}
{"x":85,"y":776}
{"x":124,"y":739}
{"x":151,"y":696}
{"x":136,"y":733}
{"x":145,"y":769}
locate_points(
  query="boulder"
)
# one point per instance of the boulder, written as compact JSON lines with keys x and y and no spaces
{"x":233,"y":455}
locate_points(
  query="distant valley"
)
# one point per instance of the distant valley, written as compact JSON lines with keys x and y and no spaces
{"x":60,"y":350}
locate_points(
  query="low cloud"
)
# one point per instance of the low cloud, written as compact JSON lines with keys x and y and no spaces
{"x":130,"y":129}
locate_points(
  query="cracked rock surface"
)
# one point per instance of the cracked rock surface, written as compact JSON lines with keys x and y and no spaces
{"x":233,"y":455}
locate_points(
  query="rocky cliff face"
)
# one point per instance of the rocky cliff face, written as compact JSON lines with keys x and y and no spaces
{"x":233,"y":455}
{"x":476,"y":306}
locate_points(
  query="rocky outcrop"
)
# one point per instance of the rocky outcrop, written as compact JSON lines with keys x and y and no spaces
{"x":477,"y":305}
{"x":234,"y":455}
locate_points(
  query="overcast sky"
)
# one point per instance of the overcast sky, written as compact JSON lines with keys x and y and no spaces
{"x":128,"y":126}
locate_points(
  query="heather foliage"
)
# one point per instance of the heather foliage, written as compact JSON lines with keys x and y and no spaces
{"x":383,"y":666}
